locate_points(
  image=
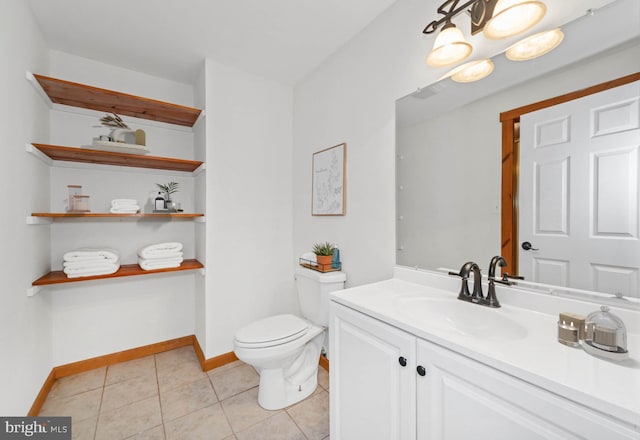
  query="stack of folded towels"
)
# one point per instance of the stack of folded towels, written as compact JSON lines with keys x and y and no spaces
{"x":124,"y":206}
{"x":160,"y":256}
{"x":90,"y":262}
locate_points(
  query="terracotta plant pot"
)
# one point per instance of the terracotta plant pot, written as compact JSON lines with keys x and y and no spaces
{"x":324,"y":261}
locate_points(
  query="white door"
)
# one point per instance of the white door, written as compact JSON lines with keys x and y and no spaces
{"x":372,"y":392}
{"x":579,"y":193}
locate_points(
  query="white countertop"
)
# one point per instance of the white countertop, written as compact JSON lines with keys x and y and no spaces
{"x":534,"y":355}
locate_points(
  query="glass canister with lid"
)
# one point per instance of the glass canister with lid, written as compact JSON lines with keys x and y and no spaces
{"x":606,"y":335}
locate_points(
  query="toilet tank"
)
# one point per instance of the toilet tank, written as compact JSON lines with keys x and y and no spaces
{"x":313,"y":292}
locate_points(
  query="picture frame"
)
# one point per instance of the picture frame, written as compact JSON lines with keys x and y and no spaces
{"x":328,"y":193}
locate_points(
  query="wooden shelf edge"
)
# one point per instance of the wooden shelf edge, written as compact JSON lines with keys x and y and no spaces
{"x":84,"y":96}
{"x":111,"y":215}
{"x":126,"y":270}
{"x":85,"y":155}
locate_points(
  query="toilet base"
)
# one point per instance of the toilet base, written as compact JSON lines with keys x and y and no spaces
{"x":280,"y":387}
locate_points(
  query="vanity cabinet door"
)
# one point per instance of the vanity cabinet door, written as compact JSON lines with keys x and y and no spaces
{"x":372,"y":378}
{"x":459,"y":398}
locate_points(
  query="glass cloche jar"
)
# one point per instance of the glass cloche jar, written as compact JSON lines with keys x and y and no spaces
{"x":606,"y":335}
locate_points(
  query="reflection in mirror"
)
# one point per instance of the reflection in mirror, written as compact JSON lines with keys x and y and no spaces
{"x":449,"y":144}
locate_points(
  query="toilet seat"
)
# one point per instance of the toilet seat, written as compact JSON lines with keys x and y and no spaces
{"x":272,"y":331}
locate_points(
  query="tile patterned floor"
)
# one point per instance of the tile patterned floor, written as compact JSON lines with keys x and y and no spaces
{"x":167,"y":396}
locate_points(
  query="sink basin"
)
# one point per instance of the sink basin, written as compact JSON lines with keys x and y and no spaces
{"x":451,"y":314}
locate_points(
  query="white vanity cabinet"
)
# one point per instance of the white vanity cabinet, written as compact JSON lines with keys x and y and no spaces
{"x":373,"y":396}
{"x":440,"y":394}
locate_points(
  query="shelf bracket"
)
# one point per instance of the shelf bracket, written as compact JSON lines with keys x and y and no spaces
{"x":31,"y":220}
{"x":33,"y":290}
{"x":201,"y":219}
{"x":202,"y":272}
{"x":39,"y":154}
{"x":199,"y":170}
{"x":34,"y":82}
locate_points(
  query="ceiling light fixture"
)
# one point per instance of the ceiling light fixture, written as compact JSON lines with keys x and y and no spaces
{"x":449,"y":47}
{"x":496,"y":19}
{"x":472,"y":71}
{"x":535,"y":46}
{"x":512,"y":17}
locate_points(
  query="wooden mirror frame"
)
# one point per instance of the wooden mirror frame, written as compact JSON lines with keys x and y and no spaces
{"x":510,"y":155}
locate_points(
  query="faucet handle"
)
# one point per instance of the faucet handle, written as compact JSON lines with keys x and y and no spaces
{"x":506,"y":276}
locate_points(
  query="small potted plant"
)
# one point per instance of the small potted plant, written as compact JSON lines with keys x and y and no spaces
{"x":324,"y":253}
{"x":169,"y":189}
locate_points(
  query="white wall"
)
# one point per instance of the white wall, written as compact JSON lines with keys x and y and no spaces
{"x":25,"y":323}
{"x":248,"y":193}
{"x":350,"y":98}
{"x":99,"y":317}
{"x":451,"y":167}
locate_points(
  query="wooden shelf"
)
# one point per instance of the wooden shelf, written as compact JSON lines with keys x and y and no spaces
{"x":126,"y":270}
{"x":72,"y":154}
{"x":111,"y":215}
{"x":94,"y":98}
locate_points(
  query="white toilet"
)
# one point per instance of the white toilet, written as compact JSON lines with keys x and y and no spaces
{"x":285,"y":349}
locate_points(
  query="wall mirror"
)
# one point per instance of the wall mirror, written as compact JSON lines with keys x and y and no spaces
{"x":449,"y":145}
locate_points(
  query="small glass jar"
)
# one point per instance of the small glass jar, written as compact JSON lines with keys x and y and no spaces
{"x":606,"y":335}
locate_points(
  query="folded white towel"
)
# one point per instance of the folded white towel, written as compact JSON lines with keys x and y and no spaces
{"x":91,"y":254}
{"x":160,"y":250}
{"x":107,"y":269}
{"x":123,"y":202}
{"x":130,"y":209}
{"x":91,"y":264}
{"x":159,"y":263}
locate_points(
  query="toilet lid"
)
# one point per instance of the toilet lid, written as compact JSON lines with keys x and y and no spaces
{"x":271,"y":331}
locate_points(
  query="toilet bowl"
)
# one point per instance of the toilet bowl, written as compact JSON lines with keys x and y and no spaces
{"x":285,"y":349}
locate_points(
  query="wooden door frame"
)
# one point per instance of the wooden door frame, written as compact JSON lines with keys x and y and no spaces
{"x":510,"y":161}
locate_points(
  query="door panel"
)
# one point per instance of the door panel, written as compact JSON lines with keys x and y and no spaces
{"x":579,"y":192}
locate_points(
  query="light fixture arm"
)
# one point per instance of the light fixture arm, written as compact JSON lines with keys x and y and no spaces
{"x":449,"y":14}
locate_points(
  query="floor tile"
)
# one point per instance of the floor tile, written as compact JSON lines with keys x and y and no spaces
{"x":186,"y":399}
{"x":234,"y":381}
{"x":175,"y":375}
{"x":207,"y":423}
{"x":79,"y":406}
{"x":175,"y":357}
{"x":277,"y":427}
{"x":129,"y":420}
{"x":156,"y":433}
{"x":243,"y":410}
{"x":131,"y":369}
{"x":129,"y":391}
{"x":78,"y":383}
{"x":312,"y":416}
{"x":323,"y":378}
{"x":168,"y":396}
{"x":84,"y":429}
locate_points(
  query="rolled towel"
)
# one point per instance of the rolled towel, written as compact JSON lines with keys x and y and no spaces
{"x":91,"y":254}
{"x":159,"y":263}
{"x":116,"y":203}
{"x":131,"y":209}
{"x":309,"y":258}
{"x":107,"y":269}
{"x":160,"y":250}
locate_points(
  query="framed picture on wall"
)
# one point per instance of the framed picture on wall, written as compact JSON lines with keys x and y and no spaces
{"x":328,"y":181}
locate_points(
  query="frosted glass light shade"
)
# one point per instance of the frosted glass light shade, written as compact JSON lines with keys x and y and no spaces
{"x":449,"y":48}
{"x":472,"y":71}
{"x":535,"y":45}
{"x":511,"y":17}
